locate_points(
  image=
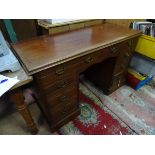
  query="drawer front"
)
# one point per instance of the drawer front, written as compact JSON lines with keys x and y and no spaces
{"x":61,"y":96}
{"x":122,"y":51}
{"x":124,"y":58}
{"x":103,"y":54}
{"x":99,"y":56}
{"x":49,"y":85}
{"x":57,"y":73}
{"x":117,"y":81}
{"x":62,"y":102}
{"x":61,"y":111}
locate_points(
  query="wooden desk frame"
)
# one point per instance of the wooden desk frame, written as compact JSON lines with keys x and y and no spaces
{"x":56,"y":62}
{"x":16,"y":96}
{"x":18,"y":99}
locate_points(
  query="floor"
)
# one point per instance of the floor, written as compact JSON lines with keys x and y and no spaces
{"x":12,"y":123}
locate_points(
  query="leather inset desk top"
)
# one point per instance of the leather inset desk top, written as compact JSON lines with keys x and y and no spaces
{"x":47,"y":51}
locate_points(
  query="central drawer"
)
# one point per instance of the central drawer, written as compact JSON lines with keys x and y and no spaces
{"x":100,"y":55}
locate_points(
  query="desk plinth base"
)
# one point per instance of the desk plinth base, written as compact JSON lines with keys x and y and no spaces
{"x":67,"y":119}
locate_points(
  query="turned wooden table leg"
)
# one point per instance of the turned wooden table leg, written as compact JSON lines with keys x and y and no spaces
{"x":18,"y":99}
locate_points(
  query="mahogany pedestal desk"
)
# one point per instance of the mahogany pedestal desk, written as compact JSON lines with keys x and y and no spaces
{"x":16,"y":96}
{"x":102,"y":52}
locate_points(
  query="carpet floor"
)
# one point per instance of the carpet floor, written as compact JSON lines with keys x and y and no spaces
{"x":95,"y":118}
{"x":124,"y":112}
{"x":135,"y":108}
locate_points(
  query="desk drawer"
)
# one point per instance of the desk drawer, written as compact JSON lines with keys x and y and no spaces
{"x":58,"y":77}
{"x":59,"y":112}
{"x":117,"y":81}
{"x":124,"y":58}
{"x":61,"y":104}
{"x":59,"y":72}
{"x":58,"y":104}
{"x":49,"y":85}
{"x":60,"y":96}
{"x":99,"y":56}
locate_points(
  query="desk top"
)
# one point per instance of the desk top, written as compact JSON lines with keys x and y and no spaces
{"x":47,"y":51}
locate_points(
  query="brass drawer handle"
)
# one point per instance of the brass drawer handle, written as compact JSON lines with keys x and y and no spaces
{"x":130,"y":43}
{"x":60,"y":71}
{"x":62,"y":84}
{"x":113,"y":49}
{"x":119,"y":82}
{"x":127,"y":54}
{"x":118,"y":74}
{"x":89,"y":60}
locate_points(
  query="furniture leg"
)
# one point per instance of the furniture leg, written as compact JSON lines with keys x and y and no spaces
{"x":18,"y":99}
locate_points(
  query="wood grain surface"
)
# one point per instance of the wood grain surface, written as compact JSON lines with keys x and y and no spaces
{"x":47,"y":51}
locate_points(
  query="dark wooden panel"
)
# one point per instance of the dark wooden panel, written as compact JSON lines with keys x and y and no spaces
{"x":25,"y":28}
{"x":4,"y":31}
{"x":68,"y":117}
{"x":101,"y":74}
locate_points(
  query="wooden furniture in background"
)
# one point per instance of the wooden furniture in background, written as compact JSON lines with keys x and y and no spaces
{"x":24,"y":29}
{"x":101,"y":52}
{"x":17,"y":97}
{"x":51,"y":29}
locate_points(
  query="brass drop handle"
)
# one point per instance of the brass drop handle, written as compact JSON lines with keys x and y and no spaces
{"x":119,"y":82}
{"x":62,"y":84}
{"x":113,"y":49}
{"x":127,"y":54}
{"x":130,"y":43}
{"x":89,"y":60}
{"x":60,"y":71}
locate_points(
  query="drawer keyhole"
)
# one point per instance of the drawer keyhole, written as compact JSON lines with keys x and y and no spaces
{"x":64,"y":98}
